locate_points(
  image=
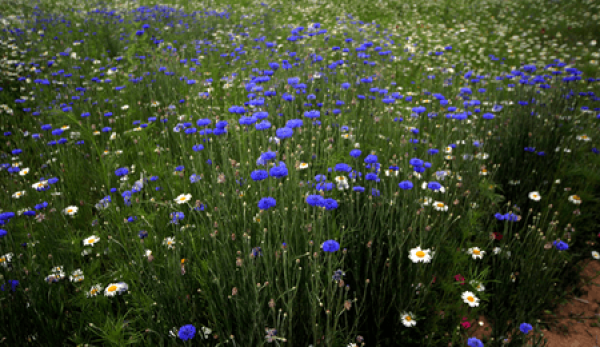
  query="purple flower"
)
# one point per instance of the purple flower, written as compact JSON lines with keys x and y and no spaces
{"x":330,"y":246}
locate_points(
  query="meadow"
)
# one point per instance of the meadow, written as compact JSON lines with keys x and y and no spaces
{"x":305,"y":173}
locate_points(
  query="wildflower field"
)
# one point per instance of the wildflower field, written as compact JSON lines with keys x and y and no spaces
{"x":306,"y":173}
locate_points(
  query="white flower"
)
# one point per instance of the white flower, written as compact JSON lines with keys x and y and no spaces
{"x":596,"y":255}
{"x":482,"y":156}
{"x":154,"y":104}
{"x":575,"y":199}
{"x":124,"y":107}
{"x":76,"y":276}
{"x":448,"y":150}
{"x":94,"y":290}
{"x":497,"y":250}
{"x":24,"y":172}
{"x":535,"y":196}
{"x":476,"y":252}
{"x":303,"y":166}
{"x":419,"y":255}
{"x":91,"y":241}
{"x":39,"y":185}
{"x":114,"y":288}
{"x":440,"y":206}
{"x":470,"y":298}
{"x":17,"y":195}
{"x":478,"y":286}
{"x":147,"y":253}
{"x":442,"y":189}
{"x":169,"y":242}
{"x":71,"y":210}
{"x":408,"y":320}
{"x":389,"y":172}
{"x":183,"y":198}
{"x":5,"y":259}
{"x":583,"y":138}
{"x":342,"y":182}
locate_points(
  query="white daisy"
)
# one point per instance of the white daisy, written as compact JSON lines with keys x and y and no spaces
{"x":147,"y":253}
{"x":5,"y":259}
{"x":448,"y":150}
{"x":76,"y":276}
{"x":419,"y":255}
{"x":426,"y":201}
{"x":575,"y":199}
{"x":39,"y":185}
{"x":478,"y":286}
{"x":91,"y":241}
{"x":408,"y":320}
{"x":17,"y":195}
{"x":482,"y":156}
{"x":303,"y":166}
{"x":470,"y":298}
{"x":183,"y":198}
{"x":476,"y":252}
{"x":154,"y":104}
{"x":342,"y":182}
{"x":24,"y":172}
{"x":113,"y":289}
{"x":440,"y":206}
{"x":483,"y":172}
{"x":257,"y":218}
{"x":169,"y":242}
{"x":596,"y":255}
{"x":71,"y":210}
{"x":535,"y":196}
{"x":583,"y":138}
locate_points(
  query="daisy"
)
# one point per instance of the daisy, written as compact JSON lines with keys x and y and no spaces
{"x":17,"y":195}
{"x":390,"y":172}
{"x":154,"y":103}
{"x":440,"y":206}
{"x":483,"y":172}
{"x":425,"y":201}
{"x":514,"y":183}
{"x":170,"y":242}
{"x":450,"y":157}
{"x":303,"y":166}
{"x":94,"y":290}
{"x":65,"y":127}
{"x":39,"y":185}
{"x":575,"y":199}
{"x":425,"y":185}
{"x":114,"y":288}
{"x":408,"y":320}
{"x":535,"y":196}
{"x":583,"y":138}
{"x":147,"y":253}
{"x":478,"y":286}
{"x":595,"y":254}
{"x":470,"y":298}
{"x":476,"y":252}
{"x":257,"y":218}
{"x":77,"y":276}
{"x":448,"y":150}
{"x":71,"y":210}
{"x":5,"y":259}
{"x":124,"y":107}
{"x":183,"y":198}
{"x":419,"y":255}
{"x":482,"y":156}
{"x":342,"y":182}
{"x":91,"y":241}
{"x":24,"y":172}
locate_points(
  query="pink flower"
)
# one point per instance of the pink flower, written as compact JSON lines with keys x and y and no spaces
{"x":459,"y":277}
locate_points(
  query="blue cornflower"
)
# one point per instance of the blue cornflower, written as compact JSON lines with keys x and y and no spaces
{"x":194,"y":178}
{"x":320,"y":178}
{"x":499,"y":216}
{"x":474,"y":342}
{"x":259,"y":175}
{"x":268,"y":156}
{"x":329,"y":204}
{"x":371,"y":176}
{"x":371,"y":159}
{"x":434,"y":185}
{"x":143,"y":234}
{"x":342,"y":167}
{"x":330,"y":246}
{"x":560,"y":245}
{"x":355,"y":153}
{"x":187,"y":332}
{"x":525,"y":328}
{"x":314,"y":200}
{"x":266,"y":203}
{"x":358,"y":189}
{"x":3,"y":233}
{"x":198,"y":148}
{"x":416,"y":162}
{"x":279,"y":171}
{"x":122,"y":171}
{"x":264,"y":125}
{"x":325,"y":186}
{"x":406,"y":185}
{"x":283,"y":133}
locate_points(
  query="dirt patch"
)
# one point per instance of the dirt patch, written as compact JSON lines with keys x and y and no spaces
{"x":572,"y":324}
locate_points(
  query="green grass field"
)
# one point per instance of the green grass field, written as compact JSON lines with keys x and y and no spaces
{"x":305,"y":173}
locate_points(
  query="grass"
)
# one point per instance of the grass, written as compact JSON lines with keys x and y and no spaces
{"x":107,"y":248}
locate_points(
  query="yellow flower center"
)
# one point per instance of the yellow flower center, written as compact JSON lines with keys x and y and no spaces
{"x":440,"y":205}
{"x":70,"y":210}
{"x":420,"y":254}
{"x":476,"y":252}
{"x":182,"y":198}
{"x":169,"y":243}
{"x":2,"y":260}
{"x":408,"y":319}
{"x":471,"y":299}
{"x":484,"y":171}
{"x":91,"y":240}
{"x":94,"y":291}
{"x":112,"y":288}
{"x":576,"y":197}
